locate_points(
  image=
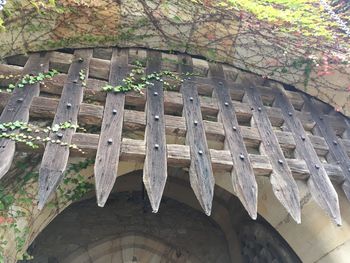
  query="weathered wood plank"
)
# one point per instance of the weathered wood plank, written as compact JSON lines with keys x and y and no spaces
{"x":56,"y":156}
{"x":242,"y":174}
{"x":283,"y":184}
{"x":107,"y":157}
{"x":17,"y":107}
{"x":155,"y":166}
{"x":319,"y":183}
{"x":336,"y":147}
{"x":201,"y":173}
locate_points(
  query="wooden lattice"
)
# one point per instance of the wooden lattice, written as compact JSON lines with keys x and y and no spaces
{"x":211,"y":123}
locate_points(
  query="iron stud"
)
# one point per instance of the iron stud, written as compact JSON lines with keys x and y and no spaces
{"x":114,"y":111}
{"x":156,"y":117}
{"x":110,"y":141}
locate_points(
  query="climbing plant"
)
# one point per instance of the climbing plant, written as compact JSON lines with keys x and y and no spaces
{"x":19,"y":204}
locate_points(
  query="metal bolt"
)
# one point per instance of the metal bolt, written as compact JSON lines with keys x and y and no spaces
{"x":234,"y":128}
{"x":303,"y":137}
{"x":290,"y":114}
{"x":191,"y":98}
{"x":335,"y":142}
{"x":317,"y":166}
{"x":59,"y":135}
{"x":75,"y":81}
{"x":155,"y":93}
{"x":156,"y":146}
{"x":195,"y":123}
{"x":20,"y":100}
{"x":241,"y":156}
{"x":81,"y":60}
{"x":110,"y":141}
{"x":220,"y":83}
{"x":189,"y":78}
{"x":69,"y":105}
{"x":114,"y":111}
{"x":259,"y":109}
{"x":226,"y":104}
{"x":280,"y":161}
{"x":156,"y":117}
{"x":200,"y":152}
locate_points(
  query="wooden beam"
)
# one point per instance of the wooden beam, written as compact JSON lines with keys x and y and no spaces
{"x":319,"y":183}
{"x":17,"y":107}
{"x":243,"y":179}
{"x":56,"y":156}
{"x":336,"y":147}
{"x":107,"y":157}
{"x":283,"y":184}
{"x":201,"y":173}
{"x":155,"y":166}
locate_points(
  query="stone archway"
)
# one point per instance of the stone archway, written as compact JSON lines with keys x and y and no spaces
{"x":84,"y":232}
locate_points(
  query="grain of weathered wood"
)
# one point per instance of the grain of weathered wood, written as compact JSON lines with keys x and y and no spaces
{"x":155,"y":166}
{"x":319,"y":184}
{"x":107,"y":157}
{"x":17,"y":107}
{"x":201,"y":174}
{"x":336,"y":147}
{"x":283,"y":184}
{"x":56,"y":156}
{"x":90,"y":114}
{"x":242,"y":174}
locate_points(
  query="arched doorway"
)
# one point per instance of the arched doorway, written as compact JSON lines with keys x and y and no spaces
{"x":126,"y":230}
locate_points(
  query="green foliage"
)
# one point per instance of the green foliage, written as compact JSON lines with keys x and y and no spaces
{"x":29,"y":79}
{"x":137,"y":80}
{"x":32,"y":135}
{"x":17,"y":205}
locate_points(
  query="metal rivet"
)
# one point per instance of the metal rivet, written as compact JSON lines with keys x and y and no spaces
{"x":234,"y":128}
{"x":189,"y":78}
{"x":114,"y":111}
{"x":226,"y":104}
{"x":259,"y":109}
{"x":156,"y":117}
{"x":303,"y":137}
{"x":220,"y":83}
{"x":156,"y":146}
{"x":20,"y":100}
{"x":155,"y":93}
{"x":75,"y":81}
{"x":317,"y":166}
{"x":191,"y":98}
{"x":59,"y":135}
{"x":81,"y":60}
{"x":69,"y":105}
{"x":335,"y":142}
{"x":241,"y":156}
{"x":195,"y":123}
{"x":200,"y":152}
{"x":290,"y":114}
{"x":110,"y":141}
{"x":280,"y":161}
